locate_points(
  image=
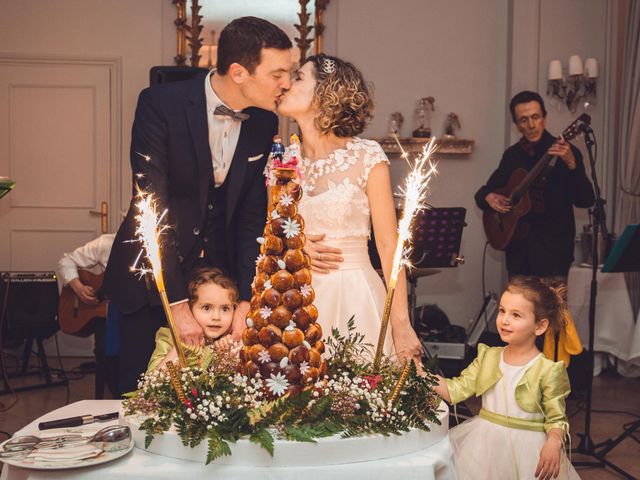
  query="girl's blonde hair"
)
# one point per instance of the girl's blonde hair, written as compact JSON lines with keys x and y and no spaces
{"x":206,"y":275}
{"x":548,"y":295}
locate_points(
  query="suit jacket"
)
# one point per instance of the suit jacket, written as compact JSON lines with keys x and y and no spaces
{"x":542,"y":389}
{"x":170,"y":127}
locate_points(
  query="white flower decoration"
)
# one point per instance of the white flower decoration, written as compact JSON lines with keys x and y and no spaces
{"x":265,"y":312}
{"x":304,"y":367}
{"x":267,"y":284}
{"x":260,"y":240}
{"x":291,"y":228}
{"x":277,"y":384}
{"x":275,"y":214}
{"x":282,"y":264}
{"x":260,"y":258}
{"x":286,"y":200}
{"x":291,"y":325}
{"x":264,"y":357}
{"x":305,"y":290}
{"x":284,"y":362}
{"x":249,"y":323}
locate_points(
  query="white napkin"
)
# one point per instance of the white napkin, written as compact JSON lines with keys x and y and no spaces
{"x":63,"y":454}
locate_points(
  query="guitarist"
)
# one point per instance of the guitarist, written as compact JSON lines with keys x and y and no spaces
{"x":93,"y":256}
{"x":543,"y":243}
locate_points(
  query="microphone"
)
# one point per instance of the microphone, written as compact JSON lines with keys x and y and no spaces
{"x":583,"y":124}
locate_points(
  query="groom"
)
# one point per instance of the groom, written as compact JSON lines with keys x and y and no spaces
{"x":200,"y":147}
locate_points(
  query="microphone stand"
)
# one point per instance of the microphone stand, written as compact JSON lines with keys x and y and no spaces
{"x":586,"y":445}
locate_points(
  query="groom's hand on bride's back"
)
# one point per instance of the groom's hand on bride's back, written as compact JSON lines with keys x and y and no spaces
{"x":323,"y":257}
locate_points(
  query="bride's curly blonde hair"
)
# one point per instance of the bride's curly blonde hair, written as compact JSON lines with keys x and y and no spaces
{"x":341,"y":95}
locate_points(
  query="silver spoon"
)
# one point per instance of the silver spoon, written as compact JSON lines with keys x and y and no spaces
{"x":109,"y":439}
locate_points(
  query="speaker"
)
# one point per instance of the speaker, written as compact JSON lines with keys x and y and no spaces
{"x":29,"y":305}
{"x":166,"y":74}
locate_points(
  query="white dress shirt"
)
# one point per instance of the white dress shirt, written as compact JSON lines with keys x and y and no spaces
{"x":224,"y":132}
{"x":92,"y":256}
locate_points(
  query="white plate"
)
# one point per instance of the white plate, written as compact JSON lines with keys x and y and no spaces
{"x":40,"y":464}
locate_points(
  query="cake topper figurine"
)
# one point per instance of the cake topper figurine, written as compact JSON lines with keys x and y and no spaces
{"x":280,"y":158}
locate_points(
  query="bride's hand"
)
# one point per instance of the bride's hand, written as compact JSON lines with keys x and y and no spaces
{"x":323,"y":257}
{"x":407,"y":344}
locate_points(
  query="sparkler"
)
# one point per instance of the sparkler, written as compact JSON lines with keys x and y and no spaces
{"x":148,"y":231}
{"x":401,"y":381}
{"x":414,"y":193}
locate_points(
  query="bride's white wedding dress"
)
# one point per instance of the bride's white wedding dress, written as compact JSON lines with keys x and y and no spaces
{"x":335,"y":204}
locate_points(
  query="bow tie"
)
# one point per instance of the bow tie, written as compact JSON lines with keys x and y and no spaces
{"x":226,"y":111}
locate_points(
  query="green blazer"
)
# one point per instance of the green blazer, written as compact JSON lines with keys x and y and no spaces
{"x":542,"y":389}
{"x":197,"y":357}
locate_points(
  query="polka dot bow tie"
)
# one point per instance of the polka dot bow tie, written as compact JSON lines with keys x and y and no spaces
{"x":226,"y":111}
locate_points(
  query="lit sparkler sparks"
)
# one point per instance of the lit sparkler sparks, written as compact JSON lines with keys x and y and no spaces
{"x":414,"y":192}
{"x":148,"y":231}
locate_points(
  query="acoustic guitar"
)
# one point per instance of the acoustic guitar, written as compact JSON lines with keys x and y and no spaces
{"x":75,"y":317}
{"x":500,"y":227}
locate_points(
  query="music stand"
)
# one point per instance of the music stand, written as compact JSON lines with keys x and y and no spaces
{"x":436,"y":237}
{"x":625,"y":257}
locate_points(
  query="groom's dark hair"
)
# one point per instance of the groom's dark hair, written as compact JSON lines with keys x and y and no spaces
{"x":242,"y":41}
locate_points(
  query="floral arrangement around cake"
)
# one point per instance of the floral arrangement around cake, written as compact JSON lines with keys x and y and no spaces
{"x":285,"y":383}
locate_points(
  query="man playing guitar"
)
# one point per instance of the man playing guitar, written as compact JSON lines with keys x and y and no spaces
{"x":543,"y":242}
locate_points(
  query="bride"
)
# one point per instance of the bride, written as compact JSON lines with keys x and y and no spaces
{"x":347,"y":189}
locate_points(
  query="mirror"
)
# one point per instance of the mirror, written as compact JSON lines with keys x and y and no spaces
{"x":199,"y":22}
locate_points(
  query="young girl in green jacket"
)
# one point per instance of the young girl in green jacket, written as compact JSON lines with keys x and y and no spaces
{"x":522,"y":425}
{"x":212,"y":300}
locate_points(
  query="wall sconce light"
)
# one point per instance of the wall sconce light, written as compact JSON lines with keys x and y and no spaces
{"x":579,"y":85}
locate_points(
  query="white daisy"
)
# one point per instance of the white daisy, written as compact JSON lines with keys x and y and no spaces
{"x":286,"y":200}
{"x":267,"y":284}
{"x":265,"y":312}
{"x":275,"y":214}
{"x":291,"y":228}
{"x":264,"y":357}
{"x":260,"y":258}
{"x":305,"y":290}
{"x":277,"y":384}
{"x":304,"y":367}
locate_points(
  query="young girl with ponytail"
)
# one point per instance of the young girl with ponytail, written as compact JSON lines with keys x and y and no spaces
{"x":522,"y":426}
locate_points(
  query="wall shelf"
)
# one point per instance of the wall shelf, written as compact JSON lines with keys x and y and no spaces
{"x":446,"y":146}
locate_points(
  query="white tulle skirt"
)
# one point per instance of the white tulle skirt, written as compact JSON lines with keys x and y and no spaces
{"x":486,"y":451}
{"x":355,"y":289}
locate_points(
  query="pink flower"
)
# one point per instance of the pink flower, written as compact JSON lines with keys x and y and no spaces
{"x":373,"y":380}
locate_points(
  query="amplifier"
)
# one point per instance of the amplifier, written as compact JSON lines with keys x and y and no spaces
{"x":453,"y":351}
{"x":29,"y":277}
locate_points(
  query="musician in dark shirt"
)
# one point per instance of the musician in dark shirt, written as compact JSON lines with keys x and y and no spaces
{"x":544,"y":239}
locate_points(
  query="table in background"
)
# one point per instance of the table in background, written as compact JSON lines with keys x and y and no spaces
{"x":436,"y":462}
{"x":617,"y":333}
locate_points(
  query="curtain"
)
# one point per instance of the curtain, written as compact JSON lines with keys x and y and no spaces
{"x":628,"y":194}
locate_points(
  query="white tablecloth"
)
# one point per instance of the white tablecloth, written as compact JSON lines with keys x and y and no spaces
{"x":617,"y":333}
{"x":435,"y":462}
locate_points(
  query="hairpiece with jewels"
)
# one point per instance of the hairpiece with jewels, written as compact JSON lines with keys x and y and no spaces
{"x":328,"y":66}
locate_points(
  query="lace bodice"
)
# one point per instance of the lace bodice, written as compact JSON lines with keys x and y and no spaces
{"x":335,"y":201}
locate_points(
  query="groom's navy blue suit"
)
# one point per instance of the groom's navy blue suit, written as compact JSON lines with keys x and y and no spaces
{"x":170,"y":156}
